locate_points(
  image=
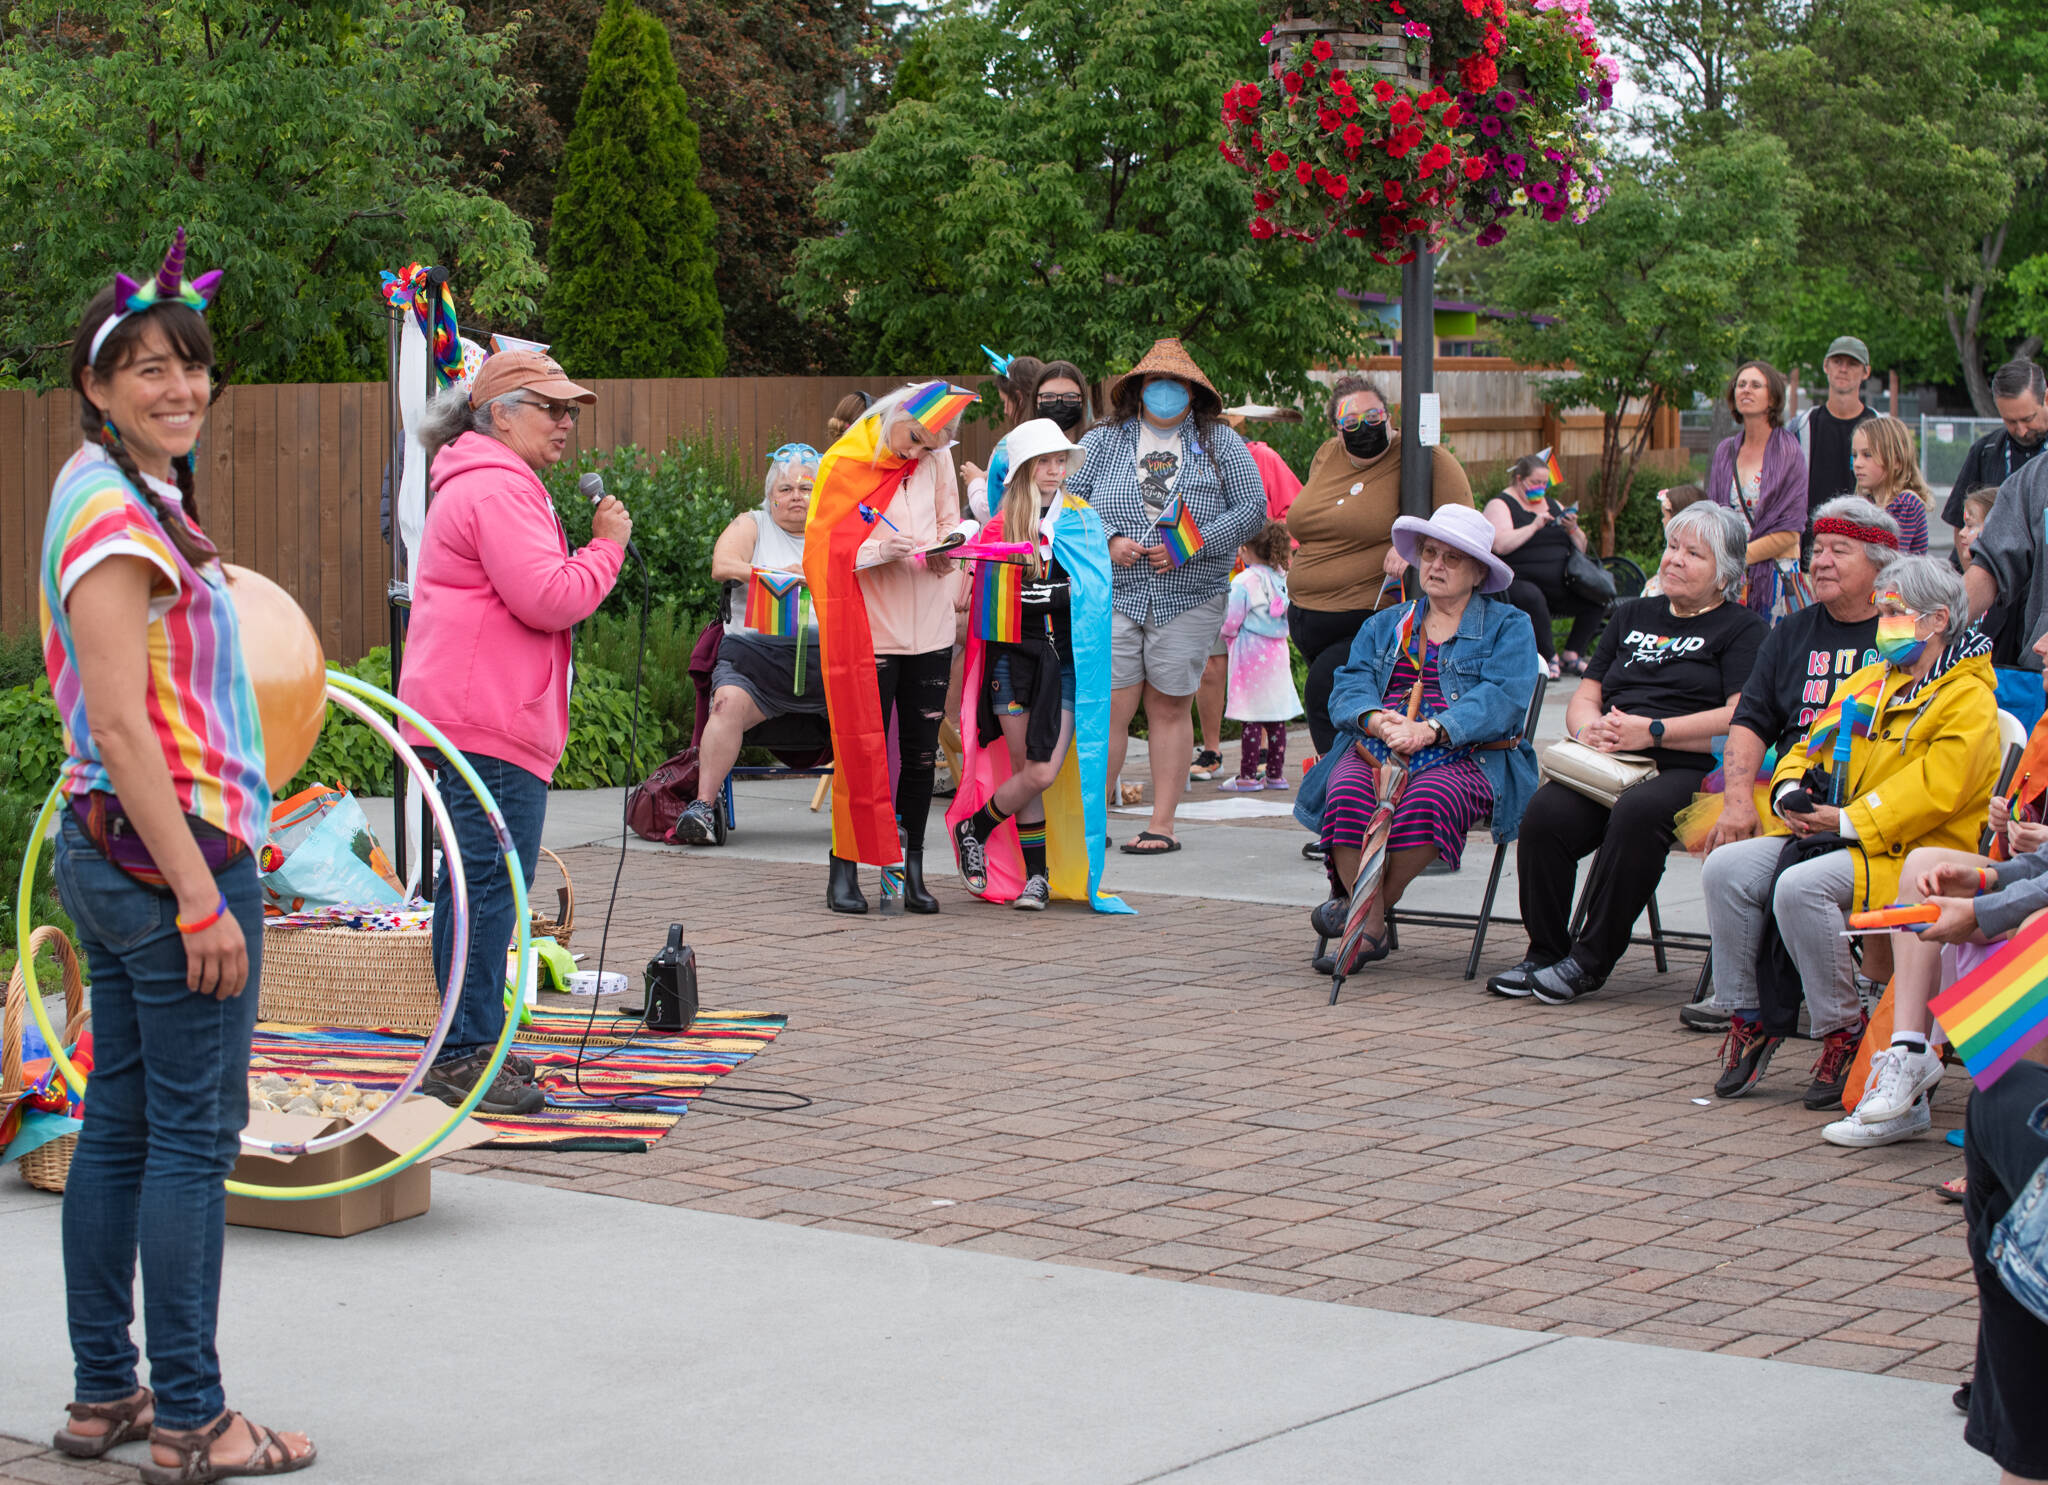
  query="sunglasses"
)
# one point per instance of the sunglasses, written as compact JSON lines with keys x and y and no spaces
{"x":555,"y":412}
{"x":1372,"y":417}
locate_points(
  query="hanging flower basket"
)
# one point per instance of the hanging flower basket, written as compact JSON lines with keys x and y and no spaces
{"x":1382,"y":53}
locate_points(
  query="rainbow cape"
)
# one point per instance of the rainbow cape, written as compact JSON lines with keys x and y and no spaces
{"x":1076,"y":806}
{"x":850,"y":476}
{"x":2000,"y":1009}
{"x":1177,"y":531}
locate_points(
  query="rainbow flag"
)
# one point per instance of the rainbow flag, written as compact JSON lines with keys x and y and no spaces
{"x":1549,"y":458}
{"x":2000,"y":1009}
{"x":1846,"y":717}
{"x":935,"y":404}
{"x":775,"y":603}
{"x":999,"y":602}
{"x":1178,"y":531}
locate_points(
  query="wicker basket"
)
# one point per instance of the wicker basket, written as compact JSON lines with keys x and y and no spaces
{"x":347,"y":977}
{"x":1383,"y":52}
{"x":48,"y":1165}
{"x":560,"y":928}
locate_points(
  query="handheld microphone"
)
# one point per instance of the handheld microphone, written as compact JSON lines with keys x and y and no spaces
{"x":591,"y":486}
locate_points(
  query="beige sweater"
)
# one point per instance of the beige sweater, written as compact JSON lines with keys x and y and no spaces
{"x":910,"y":610}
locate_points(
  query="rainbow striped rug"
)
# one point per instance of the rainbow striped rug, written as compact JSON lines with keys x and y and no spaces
{"x":633,"y":1086}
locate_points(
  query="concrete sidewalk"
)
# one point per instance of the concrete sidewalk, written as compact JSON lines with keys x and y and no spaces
{"x":518,"y":1333}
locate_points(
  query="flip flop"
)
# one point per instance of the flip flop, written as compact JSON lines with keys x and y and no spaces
{"x":1952,"y":1189}
{"x":1132,"y":847}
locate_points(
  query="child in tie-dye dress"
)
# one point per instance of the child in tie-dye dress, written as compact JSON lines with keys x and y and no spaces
{"x":1261,"y":686}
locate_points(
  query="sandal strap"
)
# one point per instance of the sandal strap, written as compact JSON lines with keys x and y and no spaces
{"x":121,"y":1410}
{"x":194,"y":1446}
{"x":269,"y":1454}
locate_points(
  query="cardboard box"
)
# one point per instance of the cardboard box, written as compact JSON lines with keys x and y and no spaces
{"x":392,"y":1199}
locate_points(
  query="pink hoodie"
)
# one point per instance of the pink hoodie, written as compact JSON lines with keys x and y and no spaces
{"x":493,"y":596}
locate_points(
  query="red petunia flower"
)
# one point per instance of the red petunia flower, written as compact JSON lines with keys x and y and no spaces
{"x":1292,"y":82}
{"x":1392,"y":190}
{"x":1303,"y":170}
{"x":1383,"y":90}
{"x":1263,"y":200}
{"x":1261,"y":228}
{"x":1330,"y":119}
{"x":1453,"y":116}
{"x":1277,"y":161}
{"x":1347,"y":106}
{"x":1354,"y":136}
{"x":1321,"y":50}
{"x":1402,"y":113}
{"x":1476,"y":168}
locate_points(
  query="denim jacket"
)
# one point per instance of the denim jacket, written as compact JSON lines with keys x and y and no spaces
{"x":1487,"y":672}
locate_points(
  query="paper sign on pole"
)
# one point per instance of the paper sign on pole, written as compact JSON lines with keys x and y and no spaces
{"x":1429,"y":425}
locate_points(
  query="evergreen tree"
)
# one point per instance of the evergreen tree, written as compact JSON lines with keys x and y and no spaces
{"x":630,"y":262}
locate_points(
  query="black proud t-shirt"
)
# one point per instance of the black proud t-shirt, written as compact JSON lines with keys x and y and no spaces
{"x":1830,"y":469}
{"x":1797,"y":670}
{"x":1650,"y":663}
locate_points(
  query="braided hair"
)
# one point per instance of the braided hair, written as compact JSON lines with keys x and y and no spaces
{"x":190,"y":340}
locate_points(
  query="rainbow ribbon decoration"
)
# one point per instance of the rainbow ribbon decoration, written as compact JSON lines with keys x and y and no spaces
{"x":777,"y":607}
{"x":1994,"y":1014}
{"x":999,"y":603}
{"x":1178,"y":532}
{"x":426,"y":295}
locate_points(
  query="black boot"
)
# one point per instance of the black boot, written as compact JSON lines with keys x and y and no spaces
{"x":842,"y":891}
{"x":916,"y":898}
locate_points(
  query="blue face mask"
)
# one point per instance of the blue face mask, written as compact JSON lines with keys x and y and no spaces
{"x":1166,"y":400}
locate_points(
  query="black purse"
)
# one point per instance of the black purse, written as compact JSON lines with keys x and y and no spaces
{"x":1588,"y":580}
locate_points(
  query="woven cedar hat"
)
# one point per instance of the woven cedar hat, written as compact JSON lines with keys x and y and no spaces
{"x":1169,"y":357}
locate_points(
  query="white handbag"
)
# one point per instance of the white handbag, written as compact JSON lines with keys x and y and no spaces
{"x":1602,"y":777}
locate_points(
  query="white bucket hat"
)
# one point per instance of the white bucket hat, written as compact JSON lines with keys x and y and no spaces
{"x":1038,"y":437}
{"x":1457,"y":526}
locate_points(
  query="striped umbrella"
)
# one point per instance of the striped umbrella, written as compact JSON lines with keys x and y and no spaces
{"x":1372,"y":851}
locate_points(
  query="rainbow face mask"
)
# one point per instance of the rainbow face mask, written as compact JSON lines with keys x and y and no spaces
{"x":1896,"y":641}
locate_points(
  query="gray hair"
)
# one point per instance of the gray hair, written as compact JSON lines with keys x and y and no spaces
{"x":1860,"y":512}
{"x":1925,"y":584}
{"x":775,"y":472}
{"x":1722,"y":533}
{"x":449,"y":416}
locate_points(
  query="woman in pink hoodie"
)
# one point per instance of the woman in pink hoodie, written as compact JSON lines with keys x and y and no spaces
{"x":495,"y":592}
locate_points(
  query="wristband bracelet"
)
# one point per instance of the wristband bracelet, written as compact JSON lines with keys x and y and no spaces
{"x":201,"y":925}
{"x":1986,"y":879}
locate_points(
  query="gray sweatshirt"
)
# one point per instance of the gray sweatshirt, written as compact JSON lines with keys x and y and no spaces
{"x":2011,"y":551}
{"x":2022,"y":891}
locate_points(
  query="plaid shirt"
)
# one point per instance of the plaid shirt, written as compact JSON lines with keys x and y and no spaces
{"x":1218,"y":483}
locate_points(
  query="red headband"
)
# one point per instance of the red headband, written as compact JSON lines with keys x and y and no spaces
{"x":1876,"y":536}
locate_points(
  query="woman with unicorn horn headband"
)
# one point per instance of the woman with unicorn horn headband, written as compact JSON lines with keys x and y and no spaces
{"x":165,"y":774}
{"x":886,"y":490}
{"x":1029,"y":818}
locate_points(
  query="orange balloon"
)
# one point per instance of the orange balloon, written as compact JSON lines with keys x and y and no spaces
{"x":286,"y":668}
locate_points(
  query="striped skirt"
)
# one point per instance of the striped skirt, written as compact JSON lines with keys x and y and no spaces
{"x":1437,"y":807}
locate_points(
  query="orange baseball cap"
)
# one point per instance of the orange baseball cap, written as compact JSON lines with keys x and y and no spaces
{"x":525,"y":371}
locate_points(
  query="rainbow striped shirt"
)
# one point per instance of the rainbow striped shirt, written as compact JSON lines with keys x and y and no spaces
{"x":200,"y":700}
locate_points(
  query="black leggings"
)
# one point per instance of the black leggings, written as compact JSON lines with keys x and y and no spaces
{"x":2000,"y":1155}
{"x":913,"y":690}
{"x":1324,"y":639}
{"x":1561,"y":827}
{"x":1538,"y":602}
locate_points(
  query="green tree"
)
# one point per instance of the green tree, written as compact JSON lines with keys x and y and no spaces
{"x":630,"y":293}
{"x":1653,"y":298}
{"x":1687,"y":56}
{"x":1914,"y":152}
{"x":297,"y":140}
{"x":1061,"y":192}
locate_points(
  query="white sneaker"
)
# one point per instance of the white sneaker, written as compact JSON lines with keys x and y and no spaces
{"x":1854,"y":1133}
{"x":1897,"y":1077}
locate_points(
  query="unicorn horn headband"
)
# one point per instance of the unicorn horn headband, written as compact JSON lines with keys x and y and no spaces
{"x":1000,"y":365}
{"x":170,"y":286}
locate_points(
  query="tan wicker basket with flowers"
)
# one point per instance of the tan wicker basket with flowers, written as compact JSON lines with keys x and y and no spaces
{"x":46,"y":1166}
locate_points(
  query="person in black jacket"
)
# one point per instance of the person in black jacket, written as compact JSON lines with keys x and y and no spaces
{"x":2019,"y":391}
{"x":1536,"y":537}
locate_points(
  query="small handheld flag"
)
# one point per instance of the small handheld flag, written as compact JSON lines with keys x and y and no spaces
{"x":1994,"y":1014}
{"x":776,"y":602}
{"x":1550,"y":463}
{"x":999,"y":602}
{"x":1178,"y":531}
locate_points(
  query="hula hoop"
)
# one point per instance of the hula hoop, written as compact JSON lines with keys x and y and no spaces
{"x":522,"y":943}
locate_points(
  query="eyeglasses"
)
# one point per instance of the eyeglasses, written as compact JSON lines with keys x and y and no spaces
{"x":1371,"y":417}
{"x":555,"y":412}
{"x":1059,"y":399}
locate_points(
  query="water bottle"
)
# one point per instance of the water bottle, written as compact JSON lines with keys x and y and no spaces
{"x":892,"y":891}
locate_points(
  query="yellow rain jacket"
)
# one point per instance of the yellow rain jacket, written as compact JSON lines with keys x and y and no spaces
{"x":1922,"y":778}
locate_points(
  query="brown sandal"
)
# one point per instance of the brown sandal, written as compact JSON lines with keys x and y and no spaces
{"x":196,"y":1465}
{"x":122,"y":1414}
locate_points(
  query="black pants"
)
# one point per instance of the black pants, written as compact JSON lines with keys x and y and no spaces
{"x":1540,"y":601}
{"x":2000,"y":1156}
{"x":1562,"y":827}
{"x":1324,"y":640}
{"x":913,"y":691}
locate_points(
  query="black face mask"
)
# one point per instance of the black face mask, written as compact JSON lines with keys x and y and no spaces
{"x":1066,"y":414}
{"x":1366,"y":441}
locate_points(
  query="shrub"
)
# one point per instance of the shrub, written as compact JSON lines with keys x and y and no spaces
{"x":348,"y":754}
{"x":31,"y":739}
{"x":668,"y":706}
{"x":21,"y":659}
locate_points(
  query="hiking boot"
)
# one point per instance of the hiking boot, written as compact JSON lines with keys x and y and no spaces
{"x":973,"y":857}
{"x":697,"y":825}
{"x":1564,"y":982}
{"x":1831,"y":1068}
{"x":1856,"y":1133}
{"x":1036,"y":894}
{"x":1898,"y":1076}
{"x":1517,"y":983}
{"x":508,"y":1094}
{"x":1745,"y":1054}
{"x":1703,"y":1016}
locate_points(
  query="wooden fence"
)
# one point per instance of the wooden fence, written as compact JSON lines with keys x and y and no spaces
{"x":289,"y":477}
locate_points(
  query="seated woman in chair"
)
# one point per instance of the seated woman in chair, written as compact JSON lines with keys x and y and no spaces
{"x":1476,"y":673}
{"x":1663,"y":683}
{"x":754,"y":678}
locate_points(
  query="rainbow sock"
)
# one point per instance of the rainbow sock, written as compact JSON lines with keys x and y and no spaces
{"x":1031,"y":838}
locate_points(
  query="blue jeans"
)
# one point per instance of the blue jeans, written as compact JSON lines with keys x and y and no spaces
{"x":167,"y":1098}
{"x":523,"y":801}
